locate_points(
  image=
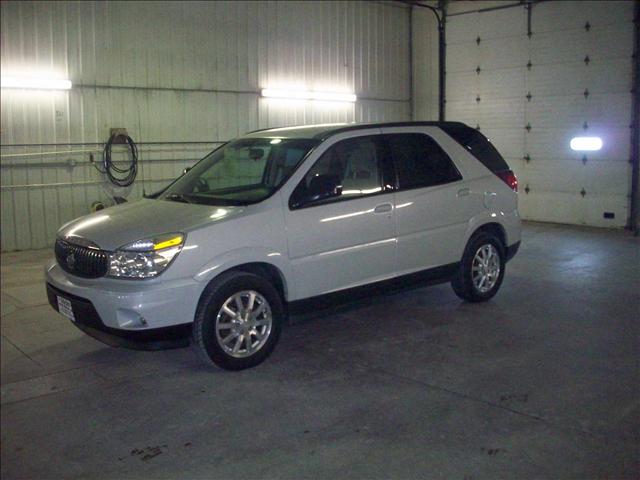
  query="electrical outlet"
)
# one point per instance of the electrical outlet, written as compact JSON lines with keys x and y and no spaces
{"x":120,"y":134}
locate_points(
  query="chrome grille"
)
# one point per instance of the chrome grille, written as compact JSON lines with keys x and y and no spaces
{"x":81,"y":261}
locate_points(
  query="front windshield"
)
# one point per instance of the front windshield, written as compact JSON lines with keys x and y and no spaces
{"x":243,"y":171}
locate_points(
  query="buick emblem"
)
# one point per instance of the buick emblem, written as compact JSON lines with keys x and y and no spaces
{"x":71,"y":261}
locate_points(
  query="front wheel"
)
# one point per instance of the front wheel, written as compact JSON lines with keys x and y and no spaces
{"x":481,"y":269}
{"x":238,"y":321}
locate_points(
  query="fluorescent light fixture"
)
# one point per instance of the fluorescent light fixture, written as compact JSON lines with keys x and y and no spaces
{"x":308,"y":95}
{"x":586,"y":144}
{"x":33,"y":83}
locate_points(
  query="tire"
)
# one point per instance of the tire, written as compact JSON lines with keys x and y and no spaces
{"x":222,"y":339}
{"x":473,"y":289}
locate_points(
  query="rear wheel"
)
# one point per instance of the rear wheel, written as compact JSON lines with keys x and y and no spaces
{"x":481,"y":269}
{"x":238,"y":321}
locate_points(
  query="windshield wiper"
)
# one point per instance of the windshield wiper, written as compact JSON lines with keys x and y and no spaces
{"x":178,"y":197}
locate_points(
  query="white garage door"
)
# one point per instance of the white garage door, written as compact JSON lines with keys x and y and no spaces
{"x":531,"y":93}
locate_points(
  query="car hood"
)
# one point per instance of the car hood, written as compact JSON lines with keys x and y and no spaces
{"x":117,"y":226}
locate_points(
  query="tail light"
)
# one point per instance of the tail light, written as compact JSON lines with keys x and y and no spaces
{"x":508,"y":177}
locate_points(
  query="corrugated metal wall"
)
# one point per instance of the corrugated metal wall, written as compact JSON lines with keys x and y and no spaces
{"x":175,"y":72}
{"x":531,"y":93}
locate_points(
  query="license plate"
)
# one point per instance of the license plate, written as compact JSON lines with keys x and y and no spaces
{"x":64,"y":307}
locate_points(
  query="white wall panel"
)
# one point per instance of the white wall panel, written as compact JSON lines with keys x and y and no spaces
{"x":176,"y":71}
{"x":557,"y":184}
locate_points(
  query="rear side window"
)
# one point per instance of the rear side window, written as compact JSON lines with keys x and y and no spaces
{"x":420,"y":161}
{"x":479,"y":146}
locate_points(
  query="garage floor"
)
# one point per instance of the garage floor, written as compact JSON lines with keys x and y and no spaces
{"x":543,"y":381}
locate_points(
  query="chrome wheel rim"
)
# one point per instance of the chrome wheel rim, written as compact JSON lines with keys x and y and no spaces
{"x":485,"y":268}
{"x":243,"y":324}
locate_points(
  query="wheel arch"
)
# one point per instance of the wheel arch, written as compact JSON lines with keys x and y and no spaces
{"x":265,"y":270}
{"x":494,"y":228}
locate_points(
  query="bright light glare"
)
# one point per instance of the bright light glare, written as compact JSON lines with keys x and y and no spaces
{"x":586,"y":144}
{"x":308,"y":95}
{"x":33,"y":83}
{"x":275,"y":141}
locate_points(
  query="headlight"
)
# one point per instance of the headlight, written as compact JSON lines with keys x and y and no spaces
{"x":145,"y":258}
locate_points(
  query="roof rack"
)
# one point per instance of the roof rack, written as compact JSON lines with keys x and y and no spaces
{"x":359,"y":126}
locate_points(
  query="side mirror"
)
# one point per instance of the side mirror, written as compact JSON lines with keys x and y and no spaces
{"x":323,"y":187}
{"x":186,"y":170}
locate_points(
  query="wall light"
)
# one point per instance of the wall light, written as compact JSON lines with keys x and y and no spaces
{"x":33,"y":83}
{"x":308,"y":95}
{"x":586,"y":144}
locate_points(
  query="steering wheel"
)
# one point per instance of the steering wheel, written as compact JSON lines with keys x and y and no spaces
{"x":202,"y":185}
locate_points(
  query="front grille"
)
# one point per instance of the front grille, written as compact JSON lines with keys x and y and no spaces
{"x":81,"y":261}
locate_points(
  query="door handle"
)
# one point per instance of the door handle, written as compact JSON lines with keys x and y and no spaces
{"x":383,"y":208}
{"x":463,"y":192}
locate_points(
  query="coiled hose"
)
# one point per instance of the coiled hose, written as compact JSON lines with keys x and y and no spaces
{"x":121,"y":177}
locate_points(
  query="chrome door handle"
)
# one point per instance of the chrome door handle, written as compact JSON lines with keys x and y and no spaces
{"x":463,"y":192}
{"x":383,"y":208}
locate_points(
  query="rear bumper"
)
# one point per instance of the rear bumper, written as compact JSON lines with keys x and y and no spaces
{"x":512,"y":250}
{"x":88,"y":320}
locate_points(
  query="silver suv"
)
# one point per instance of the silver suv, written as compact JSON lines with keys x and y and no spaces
{"x":283,"y":215}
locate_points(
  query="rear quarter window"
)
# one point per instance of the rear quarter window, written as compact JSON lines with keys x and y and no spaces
{"x":478,"y":145}
{"x":420,"y":161}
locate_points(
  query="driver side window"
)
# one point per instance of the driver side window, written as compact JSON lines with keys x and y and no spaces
{"x":349,"y":169}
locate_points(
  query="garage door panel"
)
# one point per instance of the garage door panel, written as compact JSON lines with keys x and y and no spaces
{"x":571,"y":175}
{"x":501,"y":53}
{"x":462,"y":29}
{"x":510,"y":22}
{"x":611,"y":42}
{"x":596,"y":205}
{"x":565,"y":15}
{"x":559,"y":175}
{"x":505,"y":23}
{"x":462,"y":87}
{"x":502,"y":83}
{"x":600,"y":115}
{"x":549,"y":206}
{"x":606,"y":177}
{"x":558,"y":47}
{"x":557,"y":111}
{"x":606,"y":110}
{"x":611,"y":76}
{"x":462,"y":58}
{"x":573,"y":79}
{"x":552,"y":143}
{"x":501,"y":113}
{"x":557,"y":79}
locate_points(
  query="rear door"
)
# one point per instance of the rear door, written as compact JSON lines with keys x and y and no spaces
{"x":433,"y":203}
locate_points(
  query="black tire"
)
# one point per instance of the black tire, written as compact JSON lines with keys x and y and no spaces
{"x":205,"y":339}
{"x":463,"y":283}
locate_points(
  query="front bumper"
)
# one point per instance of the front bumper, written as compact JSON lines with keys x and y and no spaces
{"x":134,"y":314}
{"x":88,"y":320}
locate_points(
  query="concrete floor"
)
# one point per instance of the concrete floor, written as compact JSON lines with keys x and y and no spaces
{"x":541,"y":382}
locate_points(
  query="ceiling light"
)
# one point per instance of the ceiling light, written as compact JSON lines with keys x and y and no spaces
{"x":586,"y":144}
{"x":308,"y":95}
{"x":33,"y":83}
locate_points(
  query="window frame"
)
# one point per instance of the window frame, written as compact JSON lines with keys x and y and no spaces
{"x":386,"y":167}
{"x":396,"y":162}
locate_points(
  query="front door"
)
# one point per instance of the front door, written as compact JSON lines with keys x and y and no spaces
{"x":340,"y":220}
